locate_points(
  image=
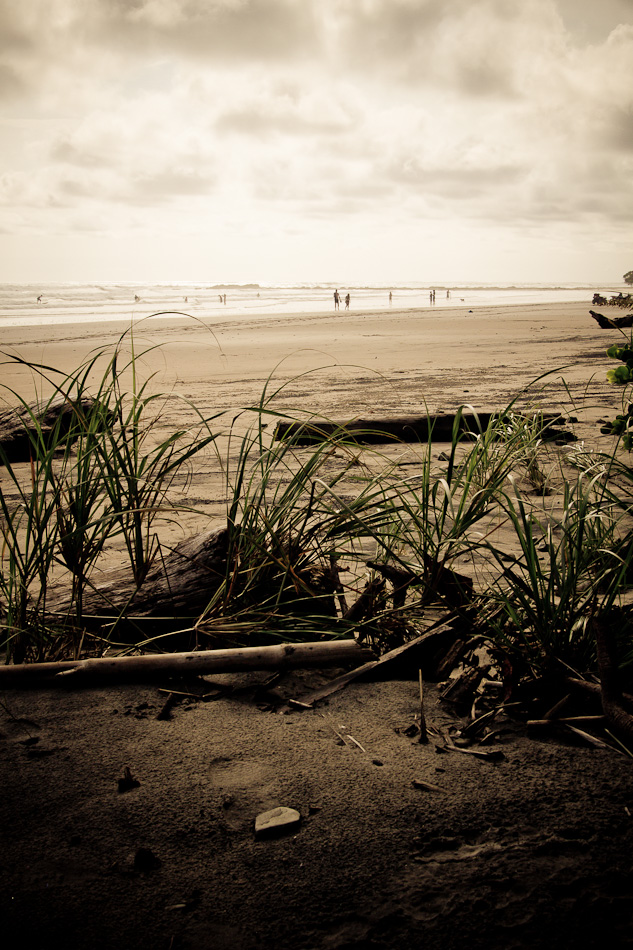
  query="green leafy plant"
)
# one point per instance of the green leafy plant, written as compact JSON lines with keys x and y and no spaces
{"x":622,"y":425}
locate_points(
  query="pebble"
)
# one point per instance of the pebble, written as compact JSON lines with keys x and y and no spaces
{"x":276,"y":821}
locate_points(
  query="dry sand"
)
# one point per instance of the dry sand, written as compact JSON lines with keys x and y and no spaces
{"x":376,"y":362}
{"x":533,"y":851}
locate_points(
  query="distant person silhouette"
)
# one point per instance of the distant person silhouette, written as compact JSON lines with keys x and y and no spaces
{"x":390,"y":296}
{"x":337,"y":300}
{"x":347,"y":300}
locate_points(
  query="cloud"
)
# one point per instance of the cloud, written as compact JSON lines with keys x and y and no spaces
{"x":270,"y":113}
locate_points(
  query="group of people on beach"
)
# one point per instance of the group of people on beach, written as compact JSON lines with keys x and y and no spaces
{"x":337,"y":300}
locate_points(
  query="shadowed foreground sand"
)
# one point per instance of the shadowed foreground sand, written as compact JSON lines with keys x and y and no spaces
{"x":531,"y":851}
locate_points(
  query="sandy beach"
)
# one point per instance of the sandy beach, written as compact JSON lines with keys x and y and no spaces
{"x":532,"y":850}
{"x":344,"y":364}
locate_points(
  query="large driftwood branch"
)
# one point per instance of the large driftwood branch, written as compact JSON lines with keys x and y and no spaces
{"x":612,"y":323}
{"x":283,"y":656}
{"x":180,"y":584}
{"x":18,"y":425}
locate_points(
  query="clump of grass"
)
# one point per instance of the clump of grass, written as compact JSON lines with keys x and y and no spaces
{"x":303,"y":524}
{"x":102,"y":474}
{"x":288,"y":531}
{"x":565,"y":575}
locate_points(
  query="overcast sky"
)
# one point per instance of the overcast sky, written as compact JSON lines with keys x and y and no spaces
{"x":305,"y":140}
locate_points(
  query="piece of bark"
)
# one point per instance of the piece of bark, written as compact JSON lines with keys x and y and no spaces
{"x":18,"y":426}
{"x":399,"y":579}
{"x":455,"y":589}
{"x":365,"y":604}
{"x":180,"y":584}
{"x":150,"y":665}
{"x":446,"y":665}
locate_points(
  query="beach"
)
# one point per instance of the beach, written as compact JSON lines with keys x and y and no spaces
{"x":529,"y":850}
{"x":342,"y":362}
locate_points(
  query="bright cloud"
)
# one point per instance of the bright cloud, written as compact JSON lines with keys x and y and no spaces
{"x":297,"y":139}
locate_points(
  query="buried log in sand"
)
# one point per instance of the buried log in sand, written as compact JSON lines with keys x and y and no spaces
{"x":436,"y":427}
{"x":282,"y":656}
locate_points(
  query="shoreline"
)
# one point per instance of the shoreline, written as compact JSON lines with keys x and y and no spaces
{"x":65,"y":310}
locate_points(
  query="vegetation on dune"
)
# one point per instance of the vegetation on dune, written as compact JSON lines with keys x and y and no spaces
{"x":325,"y":541}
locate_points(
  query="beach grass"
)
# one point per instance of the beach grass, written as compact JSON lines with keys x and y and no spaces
{"x":315,"y":537}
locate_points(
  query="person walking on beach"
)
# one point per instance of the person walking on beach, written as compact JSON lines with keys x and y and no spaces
{"x":347,"y":300}
{"x":337,"y":300}
{"x":390,"y":296}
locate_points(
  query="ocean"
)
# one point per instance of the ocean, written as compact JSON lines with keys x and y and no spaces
{"x":30,"y":304}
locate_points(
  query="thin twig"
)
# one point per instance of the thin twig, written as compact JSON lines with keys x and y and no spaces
{"x":423,"y":736}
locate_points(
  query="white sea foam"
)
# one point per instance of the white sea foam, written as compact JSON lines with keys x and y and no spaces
{"x":92,"y":303}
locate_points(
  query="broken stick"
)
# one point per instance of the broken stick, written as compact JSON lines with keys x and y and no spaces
{"x":150,"y":665}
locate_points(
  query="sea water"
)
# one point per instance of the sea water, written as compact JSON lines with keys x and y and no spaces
{"x":30,"y":304}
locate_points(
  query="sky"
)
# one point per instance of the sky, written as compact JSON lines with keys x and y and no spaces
{"x":289,"y":141}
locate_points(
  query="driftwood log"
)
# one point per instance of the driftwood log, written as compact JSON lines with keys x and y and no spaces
{"x":612,"y":323}
{"x":180,"y":584}
{"x":19,"y":425}
{"x":437,"y":427}
{"x":283,"y":656}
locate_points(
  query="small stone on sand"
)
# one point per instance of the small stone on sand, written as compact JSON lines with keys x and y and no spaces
{"x":276,"y":821}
